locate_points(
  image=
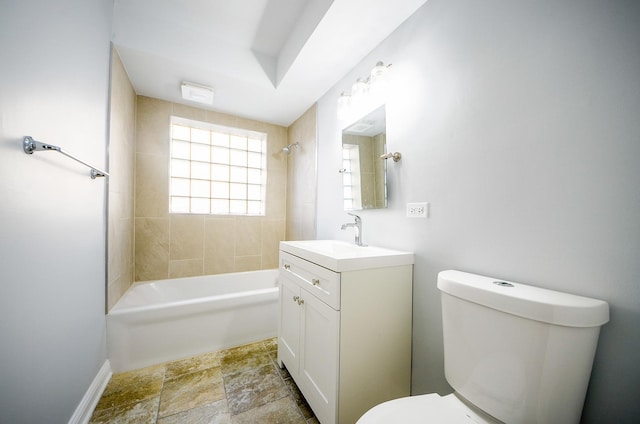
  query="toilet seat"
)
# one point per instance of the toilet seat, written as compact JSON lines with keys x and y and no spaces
{"x":431,"y":408}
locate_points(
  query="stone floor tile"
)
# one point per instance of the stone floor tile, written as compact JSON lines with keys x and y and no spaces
{"x":213,"y":413}
{"x":253,"y":387}
{"x":190,"y":391}
{"x":132,"y":387}
{"x":242,"y":353}
{"x":281,"y":411}
{"x":298,"y":398}
{"x":192,"y":364}
{"x":244,"y":350}
{"x":144,"y":412}
{"x":284,"y":373}
{"x":271,"y":345}
{"x":139,"y":376}
{"x":238,"y":385}
{"x":250,"y":378}
{"x":239,"y":360}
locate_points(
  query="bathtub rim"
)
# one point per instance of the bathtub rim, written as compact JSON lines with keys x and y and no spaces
{"x":137,"y":339}
{"x":116,"y":311}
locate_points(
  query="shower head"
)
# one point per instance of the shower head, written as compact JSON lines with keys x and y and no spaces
{"x":290,"y":147}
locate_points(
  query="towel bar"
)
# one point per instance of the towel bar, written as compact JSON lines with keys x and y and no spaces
{"x":30,"y":145}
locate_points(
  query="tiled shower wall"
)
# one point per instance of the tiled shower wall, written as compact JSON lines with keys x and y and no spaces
{"x":182,"y":245}
{"x":122,"y":132}
{"x":372,"y":169}
{"x":301,"y":177}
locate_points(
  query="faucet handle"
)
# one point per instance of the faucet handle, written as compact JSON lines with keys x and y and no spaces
{"x":355,"y":216}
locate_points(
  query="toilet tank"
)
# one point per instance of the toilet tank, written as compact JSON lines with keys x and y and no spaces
{"x":520,"y":353}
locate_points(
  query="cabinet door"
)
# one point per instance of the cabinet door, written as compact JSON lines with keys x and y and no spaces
{"x":289,"y":337}
{"x":318,"y":374}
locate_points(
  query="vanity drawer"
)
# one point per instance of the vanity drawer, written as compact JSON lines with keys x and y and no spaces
{"x":321,"y":282}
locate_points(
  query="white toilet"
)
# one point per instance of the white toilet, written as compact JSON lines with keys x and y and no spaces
{"x":513,"y":353}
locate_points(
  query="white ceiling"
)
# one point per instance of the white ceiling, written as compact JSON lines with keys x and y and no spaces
{"x":268,"y":60}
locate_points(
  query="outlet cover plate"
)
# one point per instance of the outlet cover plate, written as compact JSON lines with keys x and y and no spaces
{"x":417,"y":210}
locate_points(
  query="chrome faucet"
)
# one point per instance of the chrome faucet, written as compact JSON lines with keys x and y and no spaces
{"x":357,"y":225}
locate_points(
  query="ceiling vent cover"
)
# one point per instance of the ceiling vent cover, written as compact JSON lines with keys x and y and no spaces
{"x":197,"y":93}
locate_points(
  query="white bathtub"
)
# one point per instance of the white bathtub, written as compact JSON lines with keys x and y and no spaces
{"x":164,"y":320}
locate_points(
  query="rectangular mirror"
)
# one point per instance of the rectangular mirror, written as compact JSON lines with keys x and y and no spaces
{"x":364,"y":177}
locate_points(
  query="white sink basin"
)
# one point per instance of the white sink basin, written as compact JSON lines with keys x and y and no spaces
{"x":342,"y":256}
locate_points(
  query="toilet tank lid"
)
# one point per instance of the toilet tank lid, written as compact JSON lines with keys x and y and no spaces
{"x":526,"y":301}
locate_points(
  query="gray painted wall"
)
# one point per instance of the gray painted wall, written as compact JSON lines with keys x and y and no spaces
{"x":53,"y":86}
{"x":519,"y":122}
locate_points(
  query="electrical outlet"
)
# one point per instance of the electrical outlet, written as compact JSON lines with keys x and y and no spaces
{"x":418,"y":210}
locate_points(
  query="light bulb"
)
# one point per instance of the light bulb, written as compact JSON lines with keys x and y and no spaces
{"x":379,"y":81}
{"x":344,"y":105}
{"x":359,"y":89}
{"x":359,"y":94}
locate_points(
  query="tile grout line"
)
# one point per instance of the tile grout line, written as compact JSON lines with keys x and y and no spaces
{"x":293,"y":397}
{"x":164,"y":375}
{"x":266,"y":347}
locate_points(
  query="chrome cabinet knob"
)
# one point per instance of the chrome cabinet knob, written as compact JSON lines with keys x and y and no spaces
{"x":287,"y":266}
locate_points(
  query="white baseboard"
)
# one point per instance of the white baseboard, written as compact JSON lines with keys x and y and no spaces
{"x":83,"y":412}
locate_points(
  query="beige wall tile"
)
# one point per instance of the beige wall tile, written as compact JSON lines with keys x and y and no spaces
{"x":221,"y":243}
{"x":152,"y":248}
{"x":276,"y":194}
{"x":187,"y":237}
{"x":185,"y":268}
{"x":152,"y":125}
{"x":168,"y":246}
{"x":221,"y":119}
{"x":189,"y":112}
{"x":367,"y":189}
{"x":152,"y":185}
{"x":113,"y":294}
{"x":301,"y":178}
{"x":248,"y":236}
{"x":120,"y":248}
{"x":247,"y":263}
{"x":372,"y":177}
{"x":219,"y":264}
{"x":272,"y":235}
{"x":307,"y":215}
{"x":115,"y":290}
{"x":121,"y":183}
{"x":220,"y":237}
{"x":115,"y":245}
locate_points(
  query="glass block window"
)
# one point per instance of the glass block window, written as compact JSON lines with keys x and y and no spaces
{"x":351,"y":177}
{"x":216,"y":170}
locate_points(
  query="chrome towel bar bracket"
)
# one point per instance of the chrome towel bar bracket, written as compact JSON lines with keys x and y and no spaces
{"x":396,"y":156}
{"x":30,"y":145}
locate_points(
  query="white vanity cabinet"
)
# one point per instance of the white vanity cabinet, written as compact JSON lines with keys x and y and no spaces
{"x":345,"y":333}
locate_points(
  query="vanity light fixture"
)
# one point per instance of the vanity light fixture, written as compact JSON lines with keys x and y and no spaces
{"x":197,"y":93}
{"x":364,"y":92}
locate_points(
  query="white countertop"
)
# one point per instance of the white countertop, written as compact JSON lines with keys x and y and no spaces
{"x":341,"y":256}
